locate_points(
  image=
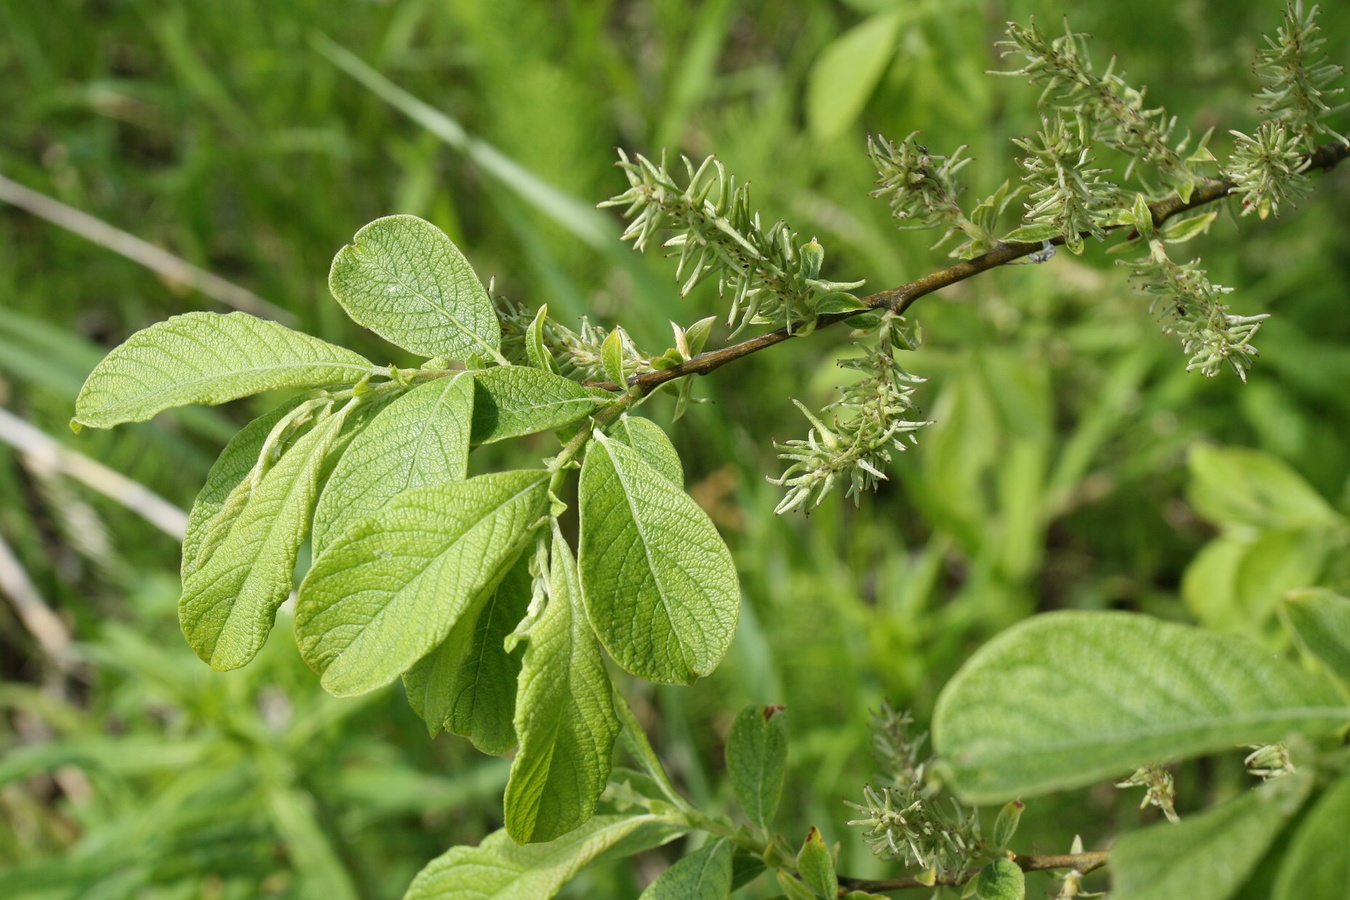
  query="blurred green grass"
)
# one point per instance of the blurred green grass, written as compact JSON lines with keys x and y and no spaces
{"x":1053,"y":477}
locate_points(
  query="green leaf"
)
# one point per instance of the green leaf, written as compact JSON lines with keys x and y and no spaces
{"x":660,"y":586}
{"x":1001,"y":880}
{"x":704,"y":874}
{"x":501,"y":869}
{"x":836,"y":302}
{"x":815,"y":865}
{"x":696,"y":336}
{"x":511,"y":401}
{"x":1321,"y":620}
{"x":1207,"y":856}
{"x":1177,"y":231}
{"x":1142,"y":217}
{"x":1065,"y":699}
{"x":313,"y":858}
{"x":1032,"y":234}
{"x":564,"y":715}
{"x":1005,"y":826}
{"x":467,"y":685}
{"x":419,"y":439}
{"x":535,"y":348}
{"x":226,"y":491}
{"x":1235,"y":583}
{"x":1316,"y":866}
{"x":611,"y":355}
{"x":406,"y":281}
{"x":203,"y":357}
{"x":388,"y":591}
{"x":1209,"y":584}
{"x":847,"y":71}
{"x":652,"y":445}
{"x":757,"y":760}
{"x":1237,"y":486}
{"x":230,"y":598}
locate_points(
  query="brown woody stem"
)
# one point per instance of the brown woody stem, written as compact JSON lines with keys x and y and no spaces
{"x":899,"y":299}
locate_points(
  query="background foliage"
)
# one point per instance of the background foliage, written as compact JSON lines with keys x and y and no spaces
{"x":1055,"y":476}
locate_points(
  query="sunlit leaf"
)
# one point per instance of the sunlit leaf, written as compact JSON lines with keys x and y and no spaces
{"x":652,"y":445}
{"x":516,"y":400}
{"x":202,"y":357}
{"x":1066,"y":699}
{"x":405,"y":280}
{"x":660,"y":585}
{"x":388,"y":591}
{"x":420,"y":438}
{"x":223,"y":496}
{"x":501,"y":869}
{"x":230,"y":599}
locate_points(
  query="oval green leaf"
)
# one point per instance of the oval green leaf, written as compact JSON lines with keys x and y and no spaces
{"x":405,"y":280}
{"x":1066,"y":699}
{"x":564,"y":715}
{"x":815,"y":865}
{"x":501,"y":869}
{"x":223,"y":496}
{"x":231,"y":598}
{"x":467,"y":685}
{"x":1316,"y":866}
{"x":660,"y":585}
{"x":202,"y":357}
{"x":512,"y":401}
{"x":1208,"y":856}
{"x":757,"y":760}
{"x":1001,"y":880}
{"x":652,"y":444}
{"x":1321,"y":620}
{"x":1238,"y":486}
{"x":389,"y":590}
{"x":847,"y":72}
{"x":421,"y":438}
{"x":704,"y":874}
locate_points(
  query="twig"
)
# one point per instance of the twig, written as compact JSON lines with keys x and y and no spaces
{"x":1080,"y":862}
{"x":156,"y":259}
{"x":899,"y":299}
{"x":44,"y":625}
{"x":51,"y":456}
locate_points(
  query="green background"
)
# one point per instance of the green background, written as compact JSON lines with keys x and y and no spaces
{"x":1055,"y":475}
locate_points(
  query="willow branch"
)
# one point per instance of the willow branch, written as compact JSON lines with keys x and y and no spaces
{"x":899,"y":299}
{"x":1079,"y":862}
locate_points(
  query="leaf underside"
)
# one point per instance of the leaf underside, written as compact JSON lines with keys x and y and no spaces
{"x":467,"y":685}
{"x":230,"y":598}
{"x":564,"y":715}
